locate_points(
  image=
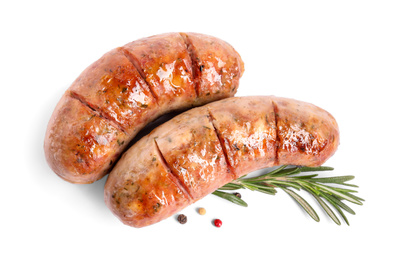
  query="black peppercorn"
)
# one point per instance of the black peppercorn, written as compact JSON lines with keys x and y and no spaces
{"x":237,"y":194}
{"x":182,"y":218}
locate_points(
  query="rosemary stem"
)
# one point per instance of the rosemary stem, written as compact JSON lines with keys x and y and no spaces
{"x":285,"y":178}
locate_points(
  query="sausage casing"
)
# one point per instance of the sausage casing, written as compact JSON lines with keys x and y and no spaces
{"x":204,"y":148}
{"x":128,"y":87}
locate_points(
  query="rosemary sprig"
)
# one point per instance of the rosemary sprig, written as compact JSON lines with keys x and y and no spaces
{"x":286,"y":178}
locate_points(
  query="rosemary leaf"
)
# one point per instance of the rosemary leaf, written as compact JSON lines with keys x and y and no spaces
{"x":350,"y":185}
{"x":231,"y":197}
{"x":354,"y":197}
{"x":305,"y":177}
{"x":316,"y":169}
{"x":264,"y":175}
{"x":339,"y":203}
{"x":231,"y":186}
{"x":285,"y":172}
{"x":304,"y":204}
{"x":277,"y":170}
{"x":344,"y":190}
{"x":309,"y":188}
{"x":250,"y":186}
{"x":285,"y":183}
{"x":336,"y":204}
{"x":295,"y":171}
{"x":338,"y":180}
{"x":342,"y":214}
{"x":269,"y":190}
{"x":338,"y":193}
{"x":327,"y":209}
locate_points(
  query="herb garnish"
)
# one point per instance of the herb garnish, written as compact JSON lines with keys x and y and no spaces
{"x":283,"y":178}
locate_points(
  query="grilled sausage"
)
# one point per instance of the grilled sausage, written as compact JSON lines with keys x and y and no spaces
{"x":204,"y":148}
{"x":128,"y":87}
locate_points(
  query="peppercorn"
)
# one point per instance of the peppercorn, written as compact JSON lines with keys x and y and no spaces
{"x":237,"y":194}
{"x":182,"y":219}
{"x":218,"y":223}
{"x":202,"y":211}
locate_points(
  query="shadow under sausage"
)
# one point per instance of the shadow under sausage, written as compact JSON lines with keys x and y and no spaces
{"x":149,"y":127}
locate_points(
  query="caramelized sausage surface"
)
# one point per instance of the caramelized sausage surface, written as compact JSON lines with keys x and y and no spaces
{"x":127,"y":88}
{"x":204,"y":148}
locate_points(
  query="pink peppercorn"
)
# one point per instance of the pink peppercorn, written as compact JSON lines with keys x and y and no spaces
{"x":218,"y":223}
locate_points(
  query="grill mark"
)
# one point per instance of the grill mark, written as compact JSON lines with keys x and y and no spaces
{"x":211,"y":120}
{"x":135,"y":62}
{"x":97,"y":111}
{"x":171,"y":175}
{"x":275,"y":109}
{"x":196,"y":73}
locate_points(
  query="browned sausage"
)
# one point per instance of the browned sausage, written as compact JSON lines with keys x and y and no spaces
{"x":128,"y":87}
{"x":202,"y":149}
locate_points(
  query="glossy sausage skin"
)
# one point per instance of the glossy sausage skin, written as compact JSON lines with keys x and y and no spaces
{"x":204,"y":148}
{"x":128,"y":87}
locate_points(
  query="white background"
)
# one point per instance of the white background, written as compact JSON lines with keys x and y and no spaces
{"x":347,"y":57}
